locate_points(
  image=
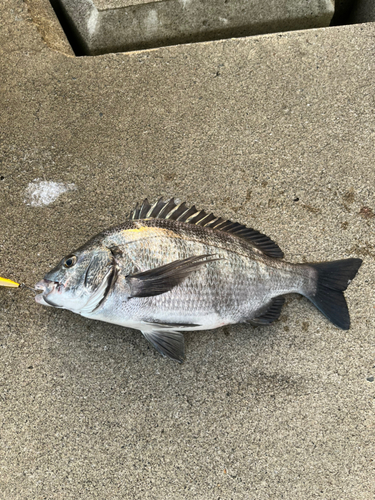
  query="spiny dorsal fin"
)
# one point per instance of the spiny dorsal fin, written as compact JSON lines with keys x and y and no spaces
{"x":172,"y":210}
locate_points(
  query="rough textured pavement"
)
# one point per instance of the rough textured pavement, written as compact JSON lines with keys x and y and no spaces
{"x":274,"y":131}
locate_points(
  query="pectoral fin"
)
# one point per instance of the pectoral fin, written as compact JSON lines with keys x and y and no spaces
{"x":162,"y":279}
{"x":168,"y":342}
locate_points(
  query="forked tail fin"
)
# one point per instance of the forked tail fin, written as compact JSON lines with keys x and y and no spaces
{"x":332,"y":279}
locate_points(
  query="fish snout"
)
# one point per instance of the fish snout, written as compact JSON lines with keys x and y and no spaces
{"x":41,"y":285}
{"x":46,"y":286}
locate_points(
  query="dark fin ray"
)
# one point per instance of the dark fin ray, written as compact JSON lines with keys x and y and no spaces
{"x":222,"y":225}
{"x":144,"y":209}
{"x":162,"y":279}
{"x":135,"y":213}
{"x":176,"y":212}
{"x":234,"y":227}
{"x":215,"y":223}
{"x":272,"y":312}
{"x":206,"y":220}
{"x":180,"y":213}
{"x":238,"y":231}
{"x":170,"y":205}
{"x":333,"y":279}
{"x":197,"y":217}
{"x":168,"y":343}
{"x":188,"y":213}
{"x":155,"y":209}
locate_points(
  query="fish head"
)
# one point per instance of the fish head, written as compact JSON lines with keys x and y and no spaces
{"x":76,"y":278}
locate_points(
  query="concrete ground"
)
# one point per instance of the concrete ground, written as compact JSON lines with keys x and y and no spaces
{"x":274,"y":131}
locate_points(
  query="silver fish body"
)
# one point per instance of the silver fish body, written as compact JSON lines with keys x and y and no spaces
{"x":171,"y":269}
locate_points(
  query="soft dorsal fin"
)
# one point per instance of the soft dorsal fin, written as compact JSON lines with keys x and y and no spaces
{"x":180,"y":212}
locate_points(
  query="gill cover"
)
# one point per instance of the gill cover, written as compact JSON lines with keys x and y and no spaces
{"x":102,"y":292}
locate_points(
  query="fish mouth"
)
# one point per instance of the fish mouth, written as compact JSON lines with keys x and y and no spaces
{"x":48,"y":287}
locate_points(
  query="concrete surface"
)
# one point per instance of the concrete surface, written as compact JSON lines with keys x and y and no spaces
{"x":48,"y":25}
{"x":104,"y":26}
{"x":274,"y":131}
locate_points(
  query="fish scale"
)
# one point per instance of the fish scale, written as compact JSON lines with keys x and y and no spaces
{"x":193,"y":289}
{"x":171,"y":268}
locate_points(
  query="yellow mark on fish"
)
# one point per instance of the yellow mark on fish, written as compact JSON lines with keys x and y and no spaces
{"x":8,"y":283}
{"x":141,"y":232}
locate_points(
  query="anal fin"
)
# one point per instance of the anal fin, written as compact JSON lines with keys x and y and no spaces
{"x":271,"y":313}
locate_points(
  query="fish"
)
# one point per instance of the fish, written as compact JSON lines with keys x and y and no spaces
{"x":170,"y":268}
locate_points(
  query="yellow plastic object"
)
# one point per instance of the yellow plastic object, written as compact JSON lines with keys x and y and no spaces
{"x":9,"y":283}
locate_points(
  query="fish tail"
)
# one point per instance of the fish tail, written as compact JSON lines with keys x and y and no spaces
{"x":332,"y":278}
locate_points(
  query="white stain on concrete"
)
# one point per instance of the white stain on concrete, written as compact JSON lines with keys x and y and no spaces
{"x":223,"y":20}
{"x":41,"y":193}
{"x":185,"y":3}
{"x":92,"y":21}
{"x":152,"y":21}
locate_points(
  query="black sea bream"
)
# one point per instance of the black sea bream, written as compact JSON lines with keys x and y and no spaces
{"x":171,"y":269}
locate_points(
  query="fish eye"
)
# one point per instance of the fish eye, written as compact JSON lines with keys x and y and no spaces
{"x":70,"y":261}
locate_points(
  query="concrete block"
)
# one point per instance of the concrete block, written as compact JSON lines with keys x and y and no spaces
{"x":363,"y":12}
{"x":342,"y":9}
{"x":121,"y":25}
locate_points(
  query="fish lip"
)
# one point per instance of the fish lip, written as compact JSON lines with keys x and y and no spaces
{"x":46,"y":287}
{"x":45,"y":284}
